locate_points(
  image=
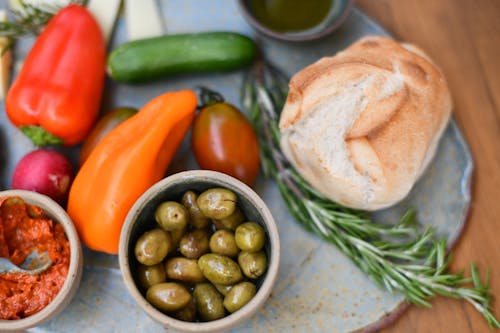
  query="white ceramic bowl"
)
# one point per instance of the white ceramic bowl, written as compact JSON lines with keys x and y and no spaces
{"x":72,"y":282}
{"x":141,"y":218}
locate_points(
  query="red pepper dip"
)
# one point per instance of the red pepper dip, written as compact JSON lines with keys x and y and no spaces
{"x":24,"y":228}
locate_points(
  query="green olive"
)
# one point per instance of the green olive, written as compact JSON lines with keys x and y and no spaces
{"x":219,"y":269}
{"x":197,"y":219}
{"x":150,"y":275}
{"x":239,"y":295}
{"x":209,"y":303}
{"x":187,"y":313}
{"x":183,"y":269}
{"x":223,"y":242}
{"x":253,"y":264}
{"x":232,"y":221}
{"x":194,"y":243}
{"x":217,"y":203}
{"x":171,"y":215}
{"x":168,"y":296}
{"x":153,"y":246}
{"x":250,"y":237}
{"x":222,"y":288}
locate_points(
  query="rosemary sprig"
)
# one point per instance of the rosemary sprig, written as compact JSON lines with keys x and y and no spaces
{"x":399,"y":257}
{"x":30,"y":19}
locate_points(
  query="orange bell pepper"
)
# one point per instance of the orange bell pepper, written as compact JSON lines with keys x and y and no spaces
{"x":55,"y":98}
{"x":124,"y":164}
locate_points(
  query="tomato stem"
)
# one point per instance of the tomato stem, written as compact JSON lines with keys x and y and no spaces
{"x":209,"y":97}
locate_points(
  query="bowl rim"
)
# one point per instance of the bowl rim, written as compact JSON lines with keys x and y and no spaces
{"x":265,"y":289}
{"x":295,"y":37}
{"x":73,"y":277}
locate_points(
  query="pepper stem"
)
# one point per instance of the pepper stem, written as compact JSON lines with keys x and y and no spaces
{"x":39,"y":136}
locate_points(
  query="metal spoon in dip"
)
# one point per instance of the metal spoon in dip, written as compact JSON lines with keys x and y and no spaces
{"x":34,"y":264}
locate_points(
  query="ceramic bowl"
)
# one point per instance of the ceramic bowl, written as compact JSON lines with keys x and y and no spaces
{"x":72,"y":282}
{"x":141,"y":218}
{"x":337,"y":15}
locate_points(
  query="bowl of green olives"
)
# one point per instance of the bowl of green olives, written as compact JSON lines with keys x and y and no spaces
{"x":199,"y":252}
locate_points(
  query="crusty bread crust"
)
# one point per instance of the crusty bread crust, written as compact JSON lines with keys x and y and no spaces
{"x":362,"y":126}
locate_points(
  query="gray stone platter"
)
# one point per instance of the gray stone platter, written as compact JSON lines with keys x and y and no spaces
{"x":318,"y":289}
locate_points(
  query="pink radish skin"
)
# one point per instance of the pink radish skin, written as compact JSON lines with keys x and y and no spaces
{"x":44,"y":171}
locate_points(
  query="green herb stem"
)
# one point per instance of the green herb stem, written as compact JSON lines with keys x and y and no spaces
{"x":399,"y":257}
{"x":30,"y":19}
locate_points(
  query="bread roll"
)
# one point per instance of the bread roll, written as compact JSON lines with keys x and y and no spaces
{"x":362,"y":126}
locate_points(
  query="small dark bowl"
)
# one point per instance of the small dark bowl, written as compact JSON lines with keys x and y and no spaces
{"x":141,"y":218}
{"x":338,"y":14}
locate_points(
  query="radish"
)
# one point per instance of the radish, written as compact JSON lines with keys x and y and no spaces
{"x":44,"y":171}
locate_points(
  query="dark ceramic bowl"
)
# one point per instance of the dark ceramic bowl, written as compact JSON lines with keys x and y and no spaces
{"x":141,"y":218}
{"x":338,"y":14}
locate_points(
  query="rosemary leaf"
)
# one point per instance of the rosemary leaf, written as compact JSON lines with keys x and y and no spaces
{"x":30,"y":19}
{"x":399,"y":257}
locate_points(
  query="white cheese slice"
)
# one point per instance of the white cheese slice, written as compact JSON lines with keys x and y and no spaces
{"x":6,"y":60}
{"x":105,"y":13}
{"x":143,"y":19}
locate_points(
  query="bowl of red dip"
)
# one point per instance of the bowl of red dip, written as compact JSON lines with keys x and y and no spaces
{"x":32,"y":221}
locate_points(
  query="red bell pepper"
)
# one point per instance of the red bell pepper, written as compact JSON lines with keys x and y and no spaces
{"x":56,"y":96}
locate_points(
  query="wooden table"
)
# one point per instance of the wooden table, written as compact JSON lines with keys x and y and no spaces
{"x":463,"y":37}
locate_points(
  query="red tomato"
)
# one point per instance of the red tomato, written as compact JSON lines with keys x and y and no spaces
{"x":104,"y":125}
{"x":224,"y":140}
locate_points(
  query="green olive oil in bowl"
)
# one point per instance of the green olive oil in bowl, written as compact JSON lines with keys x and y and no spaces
{"x":290,"y":15}
{"x":295,"y":20}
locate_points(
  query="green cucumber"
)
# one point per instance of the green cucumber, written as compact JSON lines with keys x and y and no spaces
{"x":159,"y":57}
